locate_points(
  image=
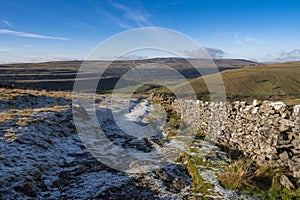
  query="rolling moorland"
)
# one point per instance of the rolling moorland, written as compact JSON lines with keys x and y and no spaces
{"x":42,"y":156}
{"x":243,"y":79}
{"x":60,"y":75}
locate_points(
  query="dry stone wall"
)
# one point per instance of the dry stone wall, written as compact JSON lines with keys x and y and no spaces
{"x":267,"y":132}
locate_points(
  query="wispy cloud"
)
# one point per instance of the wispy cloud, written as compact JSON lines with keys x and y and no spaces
{"x":283,"y":56}
{"x":240,"y":38}
{"x":115,"y":19}
{"x":176,"y":2}
{"x":7,"y":23}
{"x":205,"y":52}
{"x":29,"y":35}
{"x":72,"y":21}
{"x":124,"y":25}
{"x":36,"y":59}
{"x":137,"y":16}
{"x":81,"y":24}
{"x":5,"y":50}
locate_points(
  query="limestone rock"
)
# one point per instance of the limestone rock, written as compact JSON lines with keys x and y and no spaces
{"x":278,"y":105}
{"x":284,"y":156}
{"x":285,"y":181}
{"x":296,"y":111}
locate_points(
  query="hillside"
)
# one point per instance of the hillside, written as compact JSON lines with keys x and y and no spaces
{"x":268,"y":81}
{"x":61,"y":75}
{"x":264,"y":81}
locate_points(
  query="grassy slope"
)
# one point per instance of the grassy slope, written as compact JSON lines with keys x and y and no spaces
{"x":272,"y":81}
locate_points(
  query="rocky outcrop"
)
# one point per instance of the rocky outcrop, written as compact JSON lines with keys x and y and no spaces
{"x":267,"y":132}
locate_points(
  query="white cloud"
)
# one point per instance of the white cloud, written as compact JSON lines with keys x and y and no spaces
{"x":250,"y":39}
{"x":293,"y":55}
{"x":81,"y":24}
{"x":115,"y":19}
{"x":5,"y":50}
{"x":132,"y":57}
{"x":176,"y":2}
{"x":29,"y":35}
{"x":124,"y":25}
{"x":204,"y":53}
{"x":135,"y":15}
{"x":240,"y":38}
{"x":36,"y":59}
{"x":7,"y":23}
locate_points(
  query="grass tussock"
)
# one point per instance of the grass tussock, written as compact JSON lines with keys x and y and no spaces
{"x":26,"y":112}
{"x":6,"y":117}
{"x":264,"y":182}
{"x":11,"y":137}
{"x":200,"y":134}
{"x":170,"y":134}
{"x":238,"y":175}
{"x":24,"y":120}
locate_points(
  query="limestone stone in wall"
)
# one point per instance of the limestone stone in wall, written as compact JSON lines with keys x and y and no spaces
{"x":267,"y":132}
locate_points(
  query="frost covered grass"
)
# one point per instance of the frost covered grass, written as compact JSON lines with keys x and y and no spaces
{"x":23,"y":115}
{"x":11,"y":94}
{"x":5,"y":117}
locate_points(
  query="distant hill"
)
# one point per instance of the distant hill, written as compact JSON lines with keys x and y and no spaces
{"x":234,"y":62}
{"x":265,"y":81}
{"x":61,"y":75}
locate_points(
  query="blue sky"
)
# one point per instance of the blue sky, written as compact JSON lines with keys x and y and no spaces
{"x":40,"y":30}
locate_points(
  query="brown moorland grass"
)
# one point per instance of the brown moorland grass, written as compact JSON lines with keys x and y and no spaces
{"x":279,"y":81}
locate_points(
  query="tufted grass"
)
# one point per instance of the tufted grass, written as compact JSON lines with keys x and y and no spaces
{"x":261,"y":181}
{"x":238,"y":175}
{"x":6,"y":117}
